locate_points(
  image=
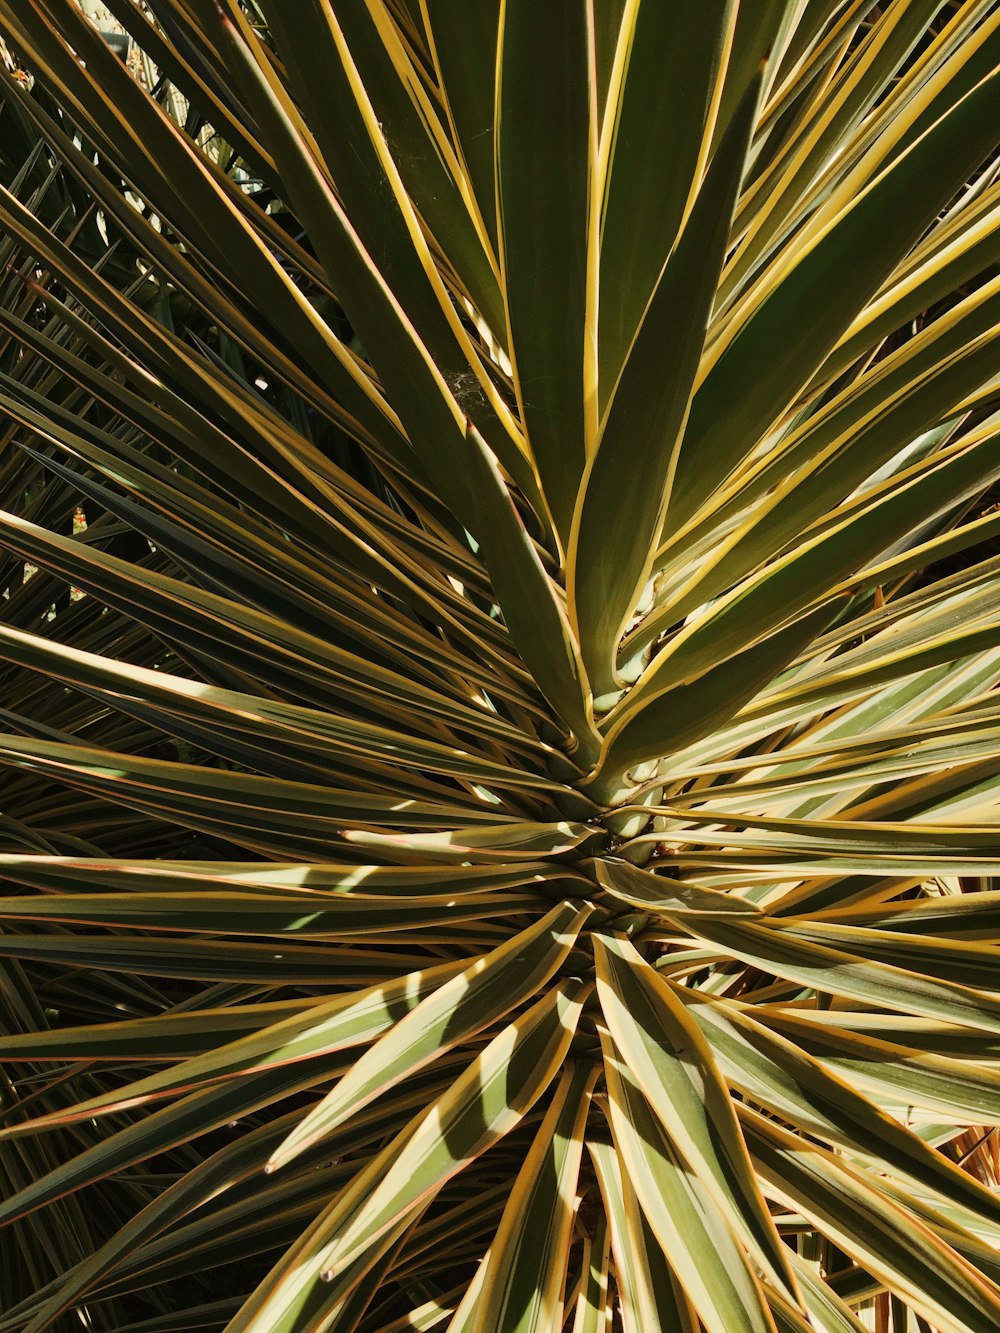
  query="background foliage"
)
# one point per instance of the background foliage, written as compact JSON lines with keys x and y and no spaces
{"x":499,"y":718}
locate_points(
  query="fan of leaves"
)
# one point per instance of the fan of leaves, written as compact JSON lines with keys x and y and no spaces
{"x":499,"y":712}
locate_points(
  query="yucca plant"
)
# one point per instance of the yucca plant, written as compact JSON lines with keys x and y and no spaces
{"x":501,"y":736}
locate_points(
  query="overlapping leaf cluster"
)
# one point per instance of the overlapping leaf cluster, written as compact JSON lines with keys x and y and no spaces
{"x":500,"y":727}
